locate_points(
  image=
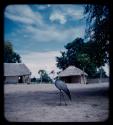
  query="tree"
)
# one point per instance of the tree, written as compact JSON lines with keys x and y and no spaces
{"x":9,"y":55}
{"x":83,"y":59}
{"x":62,"y":61}
{"x":86,"y":64}
{"x":70,"y":57}
{"x":41,"y":73}
{"x":101,"y":73}
{"x":77,"y":54}
{"x":98,"y":32}
{"x":74,"y":49}
{"x":76,"y":45}
{"x":44,"y":76}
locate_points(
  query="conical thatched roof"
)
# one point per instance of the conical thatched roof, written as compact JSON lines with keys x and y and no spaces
{"x":15,"y":69}
{"x":71,"y":71}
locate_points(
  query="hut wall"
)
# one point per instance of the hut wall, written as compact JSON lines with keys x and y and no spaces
{"x":65,"y":79}
{"x":26,"y":79}
{"x":75,"y":79}
{"x":11,"y":79}
{"x":15,"y":79}
{"x":71,"y":79}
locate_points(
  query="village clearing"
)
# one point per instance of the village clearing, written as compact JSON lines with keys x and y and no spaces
{"x":40,"y":103}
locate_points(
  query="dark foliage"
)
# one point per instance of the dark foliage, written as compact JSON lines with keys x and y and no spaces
{"x":9,"y":55}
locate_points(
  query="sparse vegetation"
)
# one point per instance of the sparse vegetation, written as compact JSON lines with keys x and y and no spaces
{"x":44,"y":77}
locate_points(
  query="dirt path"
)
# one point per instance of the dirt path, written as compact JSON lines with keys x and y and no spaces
{"x":39,"y":103}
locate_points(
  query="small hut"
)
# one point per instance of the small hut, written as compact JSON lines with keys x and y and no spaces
{"x":73,"y":75}
{"x":16,"y":73}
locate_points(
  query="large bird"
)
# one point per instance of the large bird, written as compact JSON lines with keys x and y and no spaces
{"x":63,"y":88}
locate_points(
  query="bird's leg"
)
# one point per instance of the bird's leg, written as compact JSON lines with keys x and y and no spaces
{"x":64,"y":98}
{"x":57,"y":93}
{"x":60,"y":97}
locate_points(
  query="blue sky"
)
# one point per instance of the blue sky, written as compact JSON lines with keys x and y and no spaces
{"x":39,"y":32}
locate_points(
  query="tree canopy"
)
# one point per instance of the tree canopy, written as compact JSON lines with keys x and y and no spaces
{"x":98,"y":20}
{"x":77,"y":54}
{"x":9,"y":55}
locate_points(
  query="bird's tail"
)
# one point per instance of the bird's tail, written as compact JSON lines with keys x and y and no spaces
{"x":68,"y":93}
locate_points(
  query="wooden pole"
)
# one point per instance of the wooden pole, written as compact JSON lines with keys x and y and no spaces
{"x":101,"y":74}
{"x":41,"y":78}
{"x":83,"y":76}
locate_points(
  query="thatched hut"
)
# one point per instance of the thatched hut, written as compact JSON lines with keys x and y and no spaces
{"x":16,"y":73}
{"x":73,"y":75}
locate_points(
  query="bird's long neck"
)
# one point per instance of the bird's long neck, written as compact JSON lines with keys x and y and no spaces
{"x":53,"y":81}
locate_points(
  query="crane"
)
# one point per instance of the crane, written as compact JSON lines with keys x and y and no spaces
{"x":63,"y":88}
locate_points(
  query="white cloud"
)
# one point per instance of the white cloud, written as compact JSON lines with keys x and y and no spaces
{"x":50,"y":34}
{"x":58,"y":16}
{"x":42,"y":7}
{"x":64,"y":13}
{"x":23,"y":14}
{"x":40,"y":60}
{"x":42,"y":31}
{"x":49,"y":5}
{"x":75,"y":14}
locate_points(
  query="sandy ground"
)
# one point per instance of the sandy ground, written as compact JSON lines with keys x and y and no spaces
{"x":40,"y":103}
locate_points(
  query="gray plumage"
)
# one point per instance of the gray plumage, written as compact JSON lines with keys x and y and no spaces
{"x":62,"y":87}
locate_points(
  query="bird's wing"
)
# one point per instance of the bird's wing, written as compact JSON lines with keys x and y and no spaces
{"x":62,"y":86}
{"x":68,"y":93}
